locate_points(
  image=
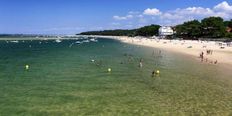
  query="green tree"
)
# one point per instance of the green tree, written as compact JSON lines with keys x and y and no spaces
{"x":228,"y":23}
{"x":191,"y":29}
{"x":213,"y":27}
{"x":148,"y":30}
{"x":117,"y":32}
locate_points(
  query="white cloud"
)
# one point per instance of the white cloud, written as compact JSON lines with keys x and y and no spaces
{"x":133,"y":12}
{"x":194,"y":11}
{"x":177,"y":16}
{"x":115,"y":24}
{"x":123,"y":17}
{"x":152,"y":12}
{"x":142,"y":20}
{"x":224,"y":6}
{"x":129,"y":16}
{"x":140,"y":16}
{"x":171,"y":16}
{"x":119,"y":18}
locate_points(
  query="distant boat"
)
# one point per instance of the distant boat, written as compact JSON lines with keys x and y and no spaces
{"x":58,"y":41}
{"x":93,"y":40}
{"x":78,"y":42}
{"x":14,"y":41}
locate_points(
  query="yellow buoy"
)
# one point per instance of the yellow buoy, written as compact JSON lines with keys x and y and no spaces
{"x":109,"y":69}
{"x":157,"y":72}
{"x":27,"y":67}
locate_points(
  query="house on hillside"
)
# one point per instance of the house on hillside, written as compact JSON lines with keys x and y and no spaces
{"x":165,"y":31}
{"x":228,"y":29}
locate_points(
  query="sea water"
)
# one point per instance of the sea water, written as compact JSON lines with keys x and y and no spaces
{"x":71,"y":77}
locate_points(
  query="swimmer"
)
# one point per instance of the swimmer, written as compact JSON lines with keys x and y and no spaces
{"x":159,"y":51}
{"x":140,"y":64}
{"x":109,"y":69}
{"x":26,"y":67}
{"x":206,"y":59}
{"x":141,"y":60}
{"x":153,"y":73}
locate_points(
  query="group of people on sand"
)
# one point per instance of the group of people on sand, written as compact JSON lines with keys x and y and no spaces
{"x":209,"y":52}
{"x":205,"y":59}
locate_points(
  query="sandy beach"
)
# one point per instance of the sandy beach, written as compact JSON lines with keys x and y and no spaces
{"x":188,"y":47}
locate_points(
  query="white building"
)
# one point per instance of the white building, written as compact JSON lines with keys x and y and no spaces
{"x":165,"y":30}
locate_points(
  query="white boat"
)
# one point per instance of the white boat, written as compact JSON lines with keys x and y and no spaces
{"x":93,"y":40}
{"x":58,"y":41}
{"x":14,"y":41}
{"x":78,"y":42}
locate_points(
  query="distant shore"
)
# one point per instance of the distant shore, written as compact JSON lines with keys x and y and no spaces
{"x":220,"y":54}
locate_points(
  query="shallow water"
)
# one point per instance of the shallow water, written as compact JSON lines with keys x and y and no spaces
{"x":62,"y":80}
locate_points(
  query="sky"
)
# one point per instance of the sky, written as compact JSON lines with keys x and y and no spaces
{"x":75,"y":16}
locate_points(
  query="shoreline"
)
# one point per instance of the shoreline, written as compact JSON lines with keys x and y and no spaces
{"x":187,"y":47}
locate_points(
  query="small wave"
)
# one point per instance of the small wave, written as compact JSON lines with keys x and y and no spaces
{"x":85,"y":41}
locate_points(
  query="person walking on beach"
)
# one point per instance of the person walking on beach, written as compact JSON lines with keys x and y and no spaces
{"x":215,"y":62}
{"x":211,"y":52}
{"x":202,"y":56}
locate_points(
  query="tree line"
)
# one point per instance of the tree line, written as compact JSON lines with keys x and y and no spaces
{"x":211,"y":27}
{"x":150,"y":30}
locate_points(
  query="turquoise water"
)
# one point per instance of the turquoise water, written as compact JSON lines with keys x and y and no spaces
{"x":62,"y":80}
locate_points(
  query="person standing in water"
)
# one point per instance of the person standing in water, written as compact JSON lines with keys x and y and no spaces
{"x":202,"y":56}
{"x":141,"y":63}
